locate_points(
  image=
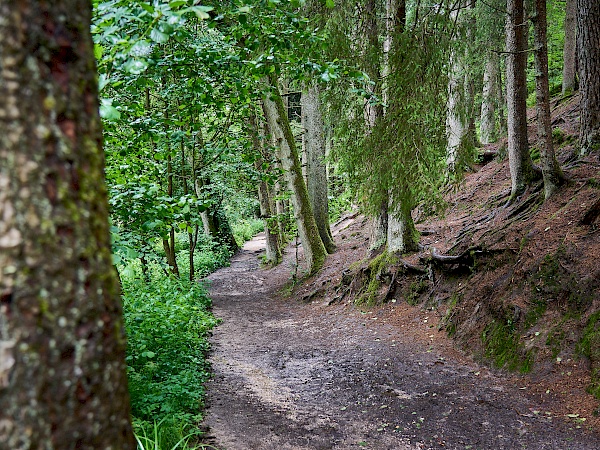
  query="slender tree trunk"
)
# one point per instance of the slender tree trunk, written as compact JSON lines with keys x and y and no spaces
{"x":63,"y":378}
{"x":588,"y":43}
{"x":489,"y":99}
{"x":169,"y":243}
{"x":460,"y":119}
{"x":521,"y":167}
{"x":456,"y":129}
{"x":314,"y":250}
{"x":272,"y":249}
{"x":401,"y":235}
{"x":552,"y":173}
{"x":569,"y":82}
{"x":374,"y":113}
{"x":315,"y":163}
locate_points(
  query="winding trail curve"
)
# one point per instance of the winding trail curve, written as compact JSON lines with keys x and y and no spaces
{"x":294,"y":376}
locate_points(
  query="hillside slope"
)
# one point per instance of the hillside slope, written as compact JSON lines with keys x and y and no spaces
{"x":517,"y":286}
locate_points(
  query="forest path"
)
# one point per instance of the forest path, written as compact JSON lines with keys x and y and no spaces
{"x":291,"y":375}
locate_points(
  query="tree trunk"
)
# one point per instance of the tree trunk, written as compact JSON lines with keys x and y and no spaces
{"x":402,"y":234}
{"x":314,"y":250}
{"x":214,"y":220}
{"x":169,"y":243}
{"x":460,"y":120}
{"x":588,"y":44}
{"x":62,"y":349}
{"x":316,"y":170}
{"x":272,"y":249}
{"x":456,"y":129}
{"x":374,"y":113}
{"x":552,"y":173}
{"x":489,"y":99}
{"x":569,"y":82}
{"x":521,"y":167}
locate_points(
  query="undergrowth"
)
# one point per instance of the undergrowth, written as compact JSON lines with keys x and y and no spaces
{"x":502,"y":345}
{"x":589,"y":346}
{"x":167,"y":323}
{"x":373,"y":273}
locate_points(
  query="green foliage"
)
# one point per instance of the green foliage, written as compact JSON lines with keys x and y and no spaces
{"x":167,"y":324}
{"x":502,"y":345}
{"x":162,"y":435}
{"x":395,"y":157}
{"x":373,"y":273}
{"x":340,"y":205}
{"x":246,"y":229}
{"x":415,"y":290}
{"x":554,"y":282}
{"x":589,"y":345}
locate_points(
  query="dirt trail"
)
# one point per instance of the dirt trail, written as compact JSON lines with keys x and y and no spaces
{"x":291,"y":375}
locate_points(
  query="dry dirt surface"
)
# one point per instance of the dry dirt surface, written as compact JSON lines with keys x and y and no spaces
{"x":293,"y":372}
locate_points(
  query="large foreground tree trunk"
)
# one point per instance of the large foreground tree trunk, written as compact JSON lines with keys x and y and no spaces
{"x":588,"y":43}
{"x":521,"y":167}
{"x":316,"y":171}
{"x":314,"y":250}
{"x":62,"y":348}
{"x":552,"y":173}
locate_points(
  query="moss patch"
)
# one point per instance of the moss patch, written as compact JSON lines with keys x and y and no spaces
{"x":589,"y":345}
{"x":374,"y":274}
{"x":502,"y":345}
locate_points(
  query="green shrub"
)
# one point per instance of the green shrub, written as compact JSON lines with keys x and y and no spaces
{"x":167,"y":323}
{"x":246,"y":229}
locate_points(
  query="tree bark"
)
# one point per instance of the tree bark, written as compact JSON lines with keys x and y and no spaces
{"x":521,"y":167}
{"x":489,"y":99}
{"x":402,"y":235}
{"x":316,"y":170}
{"x":569,"y":82}
{"x":62,"y":349}
{"x":551,"y":171}
{"x":169,"y":243}
{"x":314,"y":250}
{"x":272,"y":249}
{"x":588,"y":44}
{"x":374,"y":113}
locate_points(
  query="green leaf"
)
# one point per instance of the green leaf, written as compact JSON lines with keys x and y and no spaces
{"x":200,"y":11}
{"x":329,"y":3}
{"x":176,"y":4}
{"x":158,"y":36}
{"x":98,"y":51}
{"x":135,"y":66}
{"x":147,"y":7}
{"x":108,"y":111}
{"x":149,"y":354}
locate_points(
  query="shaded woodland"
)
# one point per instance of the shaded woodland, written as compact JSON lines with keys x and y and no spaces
{"x":468,"y":132}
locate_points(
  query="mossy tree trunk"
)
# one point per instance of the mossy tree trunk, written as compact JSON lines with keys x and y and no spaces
{"x":62,"y":349}
{"x":272,"y":248}
{"x":316,"y":171}
{"x":279,"y":126}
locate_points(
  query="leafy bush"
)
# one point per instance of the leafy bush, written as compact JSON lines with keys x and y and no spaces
{"x":167,"y":323}
{"x":246,"y":229}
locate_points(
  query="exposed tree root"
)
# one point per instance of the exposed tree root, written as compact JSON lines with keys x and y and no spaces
{"x":591,"y":215}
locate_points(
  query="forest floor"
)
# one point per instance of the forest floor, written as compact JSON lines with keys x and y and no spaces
{"x":296,"y":374}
